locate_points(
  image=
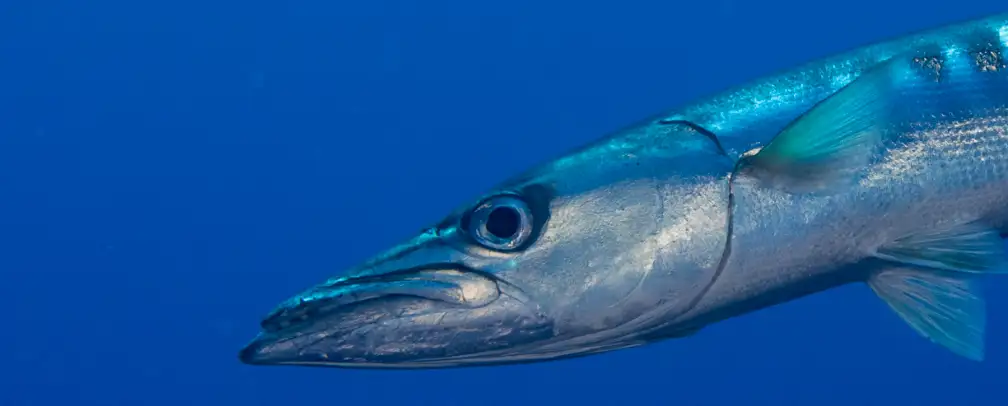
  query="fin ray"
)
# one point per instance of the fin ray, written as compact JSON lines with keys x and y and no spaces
{"x":934,"y":283}
{"x":944,"y":307}
{"x":830,"y":143}
{"x":971,"y":247}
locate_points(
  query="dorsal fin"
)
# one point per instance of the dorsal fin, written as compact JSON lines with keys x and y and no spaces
{"x":829,"y":144}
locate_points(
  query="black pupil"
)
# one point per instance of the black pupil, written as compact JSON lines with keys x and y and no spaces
{"x":503,"y":222}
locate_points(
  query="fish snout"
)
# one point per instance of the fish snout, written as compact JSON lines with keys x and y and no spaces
{"x":445,"y":283}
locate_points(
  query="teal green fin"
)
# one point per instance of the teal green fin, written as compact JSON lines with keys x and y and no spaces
{"x":935,"y":287}
{"x":830,"y":144}
{"x":944,"y":307}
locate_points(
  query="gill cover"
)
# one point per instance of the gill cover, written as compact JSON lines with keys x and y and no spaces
{"x":637,"y":232}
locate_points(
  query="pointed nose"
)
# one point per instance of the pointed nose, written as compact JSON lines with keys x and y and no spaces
{"x":253,"y":353}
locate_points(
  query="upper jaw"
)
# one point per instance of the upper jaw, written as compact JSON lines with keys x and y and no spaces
{"x":448,"y":283}
{"x":406,"y":263}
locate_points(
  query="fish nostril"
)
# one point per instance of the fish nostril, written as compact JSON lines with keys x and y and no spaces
{"x":285,"y":318}
{"x":271,"y":323}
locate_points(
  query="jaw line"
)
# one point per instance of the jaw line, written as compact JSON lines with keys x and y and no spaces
{"x":470,"y":360}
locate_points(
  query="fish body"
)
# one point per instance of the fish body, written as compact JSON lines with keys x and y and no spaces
{"x":886,"y":165}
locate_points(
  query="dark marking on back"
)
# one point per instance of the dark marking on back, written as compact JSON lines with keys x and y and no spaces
{"x":987,"y":50}
{"x":931,"y":64}
{"x":981,"y":49}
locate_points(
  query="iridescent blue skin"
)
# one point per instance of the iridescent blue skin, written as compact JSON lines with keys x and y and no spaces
{"x":657,"y":231}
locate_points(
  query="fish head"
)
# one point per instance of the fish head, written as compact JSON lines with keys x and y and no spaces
{"x":587,"y":253}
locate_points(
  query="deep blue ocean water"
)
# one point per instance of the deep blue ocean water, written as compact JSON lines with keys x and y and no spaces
{"x":170,"y":170}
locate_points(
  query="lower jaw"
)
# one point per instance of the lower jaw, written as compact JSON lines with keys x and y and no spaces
{"x":411,"y":332}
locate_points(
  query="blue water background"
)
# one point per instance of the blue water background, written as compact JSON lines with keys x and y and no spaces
{"x":170,"y":170}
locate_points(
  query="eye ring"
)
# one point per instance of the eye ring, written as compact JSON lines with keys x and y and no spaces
{"x":501,"y":223}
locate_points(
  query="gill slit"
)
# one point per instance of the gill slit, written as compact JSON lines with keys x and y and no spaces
{"x":729,"y":232}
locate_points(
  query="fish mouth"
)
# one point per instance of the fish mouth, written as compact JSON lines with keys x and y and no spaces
{"x":430,"y":316}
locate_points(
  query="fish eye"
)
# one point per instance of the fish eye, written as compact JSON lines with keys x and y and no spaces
{"x":501,"y":223}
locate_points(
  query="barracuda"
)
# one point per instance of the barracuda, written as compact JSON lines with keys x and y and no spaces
{"x":886,"y":165}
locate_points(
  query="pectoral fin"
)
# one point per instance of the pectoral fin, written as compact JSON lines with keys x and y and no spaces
{"x":946,"y":308}
{"x":831,"y":143}
{"x":971,"y":248}
{"x":933,"y":284}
